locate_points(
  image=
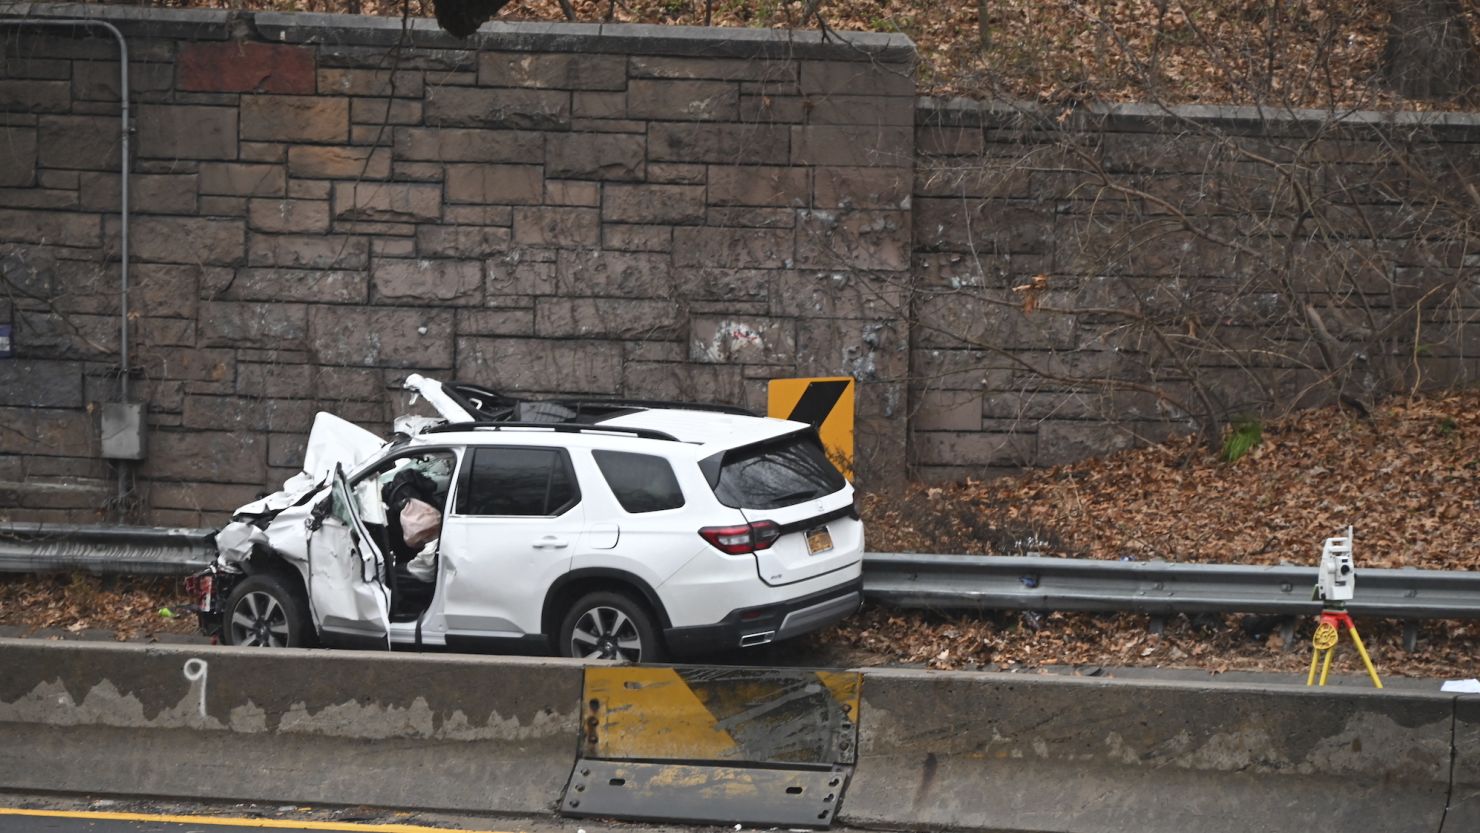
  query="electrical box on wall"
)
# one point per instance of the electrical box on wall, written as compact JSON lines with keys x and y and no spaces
{"x":123,"y":430}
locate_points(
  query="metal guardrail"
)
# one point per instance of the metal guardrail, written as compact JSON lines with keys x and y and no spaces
{"x":116,"y":550}
{"x":977,"y":582}
{"x":912,"y":580}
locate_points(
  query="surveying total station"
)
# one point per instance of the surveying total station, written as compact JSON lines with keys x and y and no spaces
{"x":1336,"y":583}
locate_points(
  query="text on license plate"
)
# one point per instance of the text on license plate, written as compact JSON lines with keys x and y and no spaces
{"x":818,"y":540}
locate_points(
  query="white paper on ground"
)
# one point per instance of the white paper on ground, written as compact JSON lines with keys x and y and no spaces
{"x":1470,"y":686}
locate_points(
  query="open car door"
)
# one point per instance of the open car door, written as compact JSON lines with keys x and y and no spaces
{"x":346,"y":575}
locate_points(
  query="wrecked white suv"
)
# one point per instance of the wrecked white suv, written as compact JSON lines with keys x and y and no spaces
{"x":606,"y":528}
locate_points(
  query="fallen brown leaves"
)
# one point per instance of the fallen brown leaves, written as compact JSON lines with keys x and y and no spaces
{"x":127,"y":606}
{"x":1321,"y":54}
{"x":1407,"y":480}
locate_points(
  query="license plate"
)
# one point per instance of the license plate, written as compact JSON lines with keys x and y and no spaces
{"x":818,"y":540}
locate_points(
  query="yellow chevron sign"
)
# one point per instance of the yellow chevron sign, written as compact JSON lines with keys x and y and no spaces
{"x":826,"y":404}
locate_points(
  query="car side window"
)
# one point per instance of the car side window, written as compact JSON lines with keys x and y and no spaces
{"x":517,"y":481}
{"x":640,"y":482}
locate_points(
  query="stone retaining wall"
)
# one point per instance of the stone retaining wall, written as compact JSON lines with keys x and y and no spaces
{"x":323,"y":204}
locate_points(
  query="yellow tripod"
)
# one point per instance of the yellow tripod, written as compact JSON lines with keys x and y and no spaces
{"x":1324,"y":642}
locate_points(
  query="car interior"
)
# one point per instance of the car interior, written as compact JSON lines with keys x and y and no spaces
{"x":401,"y":503}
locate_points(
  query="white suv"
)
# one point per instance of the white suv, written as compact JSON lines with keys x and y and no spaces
{"x":596,"y":528}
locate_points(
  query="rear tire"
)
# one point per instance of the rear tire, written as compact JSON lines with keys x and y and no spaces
{"x":266,"y":611}
{"x":606,"y":625}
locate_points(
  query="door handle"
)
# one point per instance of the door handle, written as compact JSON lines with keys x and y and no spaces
{"x":550,"y":542}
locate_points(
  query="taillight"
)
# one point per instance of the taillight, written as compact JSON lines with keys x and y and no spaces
{"x":743,"y":538}
{"x":199,"y":588}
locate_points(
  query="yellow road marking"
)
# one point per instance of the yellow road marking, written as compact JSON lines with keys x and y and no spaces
{"x":232,"y":822}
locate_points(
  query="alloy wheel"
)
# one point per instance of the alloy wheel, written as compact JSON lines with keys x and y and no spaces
{"x":259,"y":620}
{"x":606,"y":633}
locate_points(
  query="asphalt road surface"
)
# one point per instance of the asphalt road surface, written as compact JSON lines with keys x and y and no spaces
{"x":30,"y":814}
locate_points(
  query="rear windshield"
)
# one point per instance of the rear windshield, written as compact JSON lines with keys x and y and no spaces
{"x":776,"y":473}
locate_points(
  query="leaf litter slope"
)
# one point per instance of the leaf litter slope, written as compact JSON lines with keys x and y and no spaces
{"x":1407,"y":479}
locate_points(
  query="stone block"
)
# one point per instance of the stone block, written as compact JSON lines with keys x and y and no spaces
{"x":726,"y":288}
{"x":721,"y":69}
{"x":425,"y":281}
{"x":339,"y":162}
{"x":983,"y":226}
{"x":31,"y":96}
{"x":572,"y":192}
{"x":177,"y":131}
{"x":674,"y":100}
{"x":262,"y":152}
{"x":723,"y":384}
{"x":371,"y":82}
{"x":947,"y":410}
{"x":462,"y":145}
{"x":991,"y":319}
{"x":49,"y":227}
{"x":720,"y":144}
{"x":557,"y":227}
{"x":773,"y":109}
{"x":499,"y":184}
{"x":533,"y":364}
{"x":478,"y":215}
{"x":148,"y":193}
{"x":974,"y":449}
{"x":515,"y":275}
{"x":382,"y":111}
{"x":614,"y":274}
{"x":742,"y":339}
{"x":246,"y":67}
{"x":592,"y":105}
{"x":284,"y":118}
{"x":90,"y":143}
{"x":861,"y":188}
{"x":288,"y":216}
{"x":39,"y":198}
{"x":17,"y":156}
{"x":381,"y":336}
{"x":236,"y":324}
{"x":242,"y":179}
{"x":856,"y":78}
{"x":187,"y":240}
{"x":37,"y":383}
{"x":211,"y":206}
{"x":1062,"y":441}
{"x":461,"y":241}
{"x":861,"y":110}
{"x":869,"y":351}
{"x":854,"y":240}
{"x":852,"y":145}
{"x":607,"y":318}
{"x":207,"y":456}
{"x":307,"y":251}
{"x":636,"y":238}
{"x":350,"y":383}
{"x":163,"y":289}
{"x":495,"y":107}
{"x":418,"y":171}
{"x":752,"y":217}
{"x":495,"y":322}
{"x":606,"y":156}
{"x":735,"y":248}
{"x":561,"y":71}
{"x":388,"y":201}
{"x":950,"y":139}
{"x":677,"y":173}
{"x":759,"y":185}
{"x":24,"y":64}
{"x":839,"y":294}
{"x":652,"y":203}
{"x":324,"y":286}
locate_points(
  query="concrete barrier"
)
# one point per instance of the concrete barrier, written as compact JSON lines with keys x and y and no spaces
{"x":1003,"y":752}
{"x":1464,"y":801}
{"x":423,"y":732}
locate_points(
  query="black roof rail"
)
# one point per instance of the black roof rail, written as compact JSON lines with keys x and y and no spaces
{"x":713,"y":407}
{"x":561,"y":427}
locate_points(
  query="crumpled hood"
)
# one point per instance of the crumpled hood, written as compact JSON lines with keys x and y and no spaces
{"x":333,"y":441}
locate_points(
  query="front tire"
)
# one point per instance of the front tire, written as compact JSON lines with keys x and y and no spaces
{"x":265,"y":611}
{"x":608,"y":625}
